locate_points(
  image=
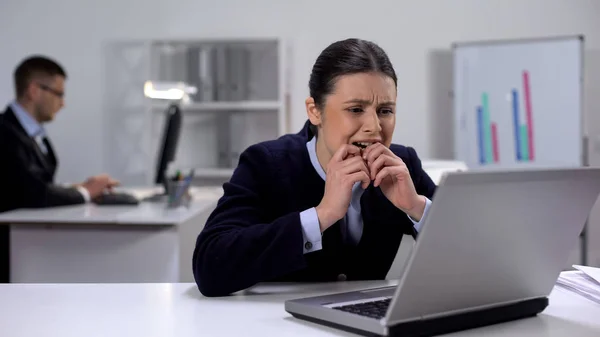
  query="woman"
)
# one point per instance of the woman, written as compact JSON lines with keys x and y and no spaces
{"x":329,"y":203}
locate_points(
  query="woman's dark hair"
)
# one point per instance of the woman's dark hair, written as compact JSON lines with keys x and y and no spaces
{"x":346,"y":57}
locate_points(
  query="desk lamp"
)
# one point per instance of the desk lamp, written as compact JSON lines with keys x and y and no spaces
{"x":175,"y":92}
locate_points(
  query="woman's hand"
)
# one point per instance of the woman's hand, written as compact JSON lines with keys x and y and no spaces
{"x":391,"y":174}
{"x":345,"y":168}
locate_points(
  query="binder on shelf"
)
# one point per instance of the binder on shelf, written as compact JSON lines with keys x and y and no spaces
{"x":238,"y":59}
{"x":200,"y":73}
{"x":178,"y":64}
{"x":193,"y":73}
{"x":206,"y":84}
{"x":220,"y":57}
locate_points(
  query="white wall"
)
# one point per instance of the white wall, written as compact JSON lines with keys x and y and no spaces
{"x":410,"y":31}
{"x":414,"y":33}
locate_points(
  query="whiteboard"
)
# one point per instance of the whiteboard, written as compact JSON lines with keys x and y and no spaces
{"x":518,"y":104}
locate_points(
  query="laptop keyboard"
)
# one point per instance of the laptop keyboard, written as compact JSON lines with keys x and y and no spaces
{"x":374,"y":309}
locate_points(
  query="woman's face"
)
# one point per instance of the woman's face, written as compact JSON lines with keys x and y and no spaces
{"x":361,"y":110}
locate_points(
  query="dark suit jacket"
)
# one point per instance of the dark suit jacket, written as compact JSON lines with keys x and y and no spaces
{"x":26,"y":179}
{"x":255,"y":234}
{"x":26,"y":173}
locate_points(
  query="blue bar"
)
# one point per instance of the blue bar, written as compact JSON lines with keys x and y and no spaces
{"x":487,"y":130}
{"x":480,"y":135}
{"x":517,"y":128}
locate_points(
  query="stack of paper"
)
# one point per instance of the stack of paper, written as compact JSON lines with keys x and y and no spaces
{"x":584,"y":281}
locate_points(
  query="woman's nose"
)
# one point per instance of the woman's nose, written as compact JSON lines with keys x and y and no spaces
{"x":371,"y":122}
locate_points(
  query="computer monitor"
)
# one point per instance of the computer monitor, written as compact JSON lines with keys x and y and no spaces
{"x":168,"y":145}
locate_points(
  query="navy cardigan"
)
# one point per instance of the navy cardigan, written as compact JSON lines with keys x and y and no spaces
{"x":254,"y":234}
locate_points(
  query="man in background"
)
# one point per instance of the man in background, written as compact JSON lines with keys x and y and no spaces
{"x":28,"y":161}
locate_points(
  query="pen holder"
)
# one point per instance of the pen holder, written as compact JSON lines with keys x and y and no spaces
{"x":178,"y":193}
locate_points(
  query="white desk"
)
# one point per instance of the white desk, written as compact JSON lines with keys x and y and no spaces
{"x":99,"y":244}
{"x":146,"y":310}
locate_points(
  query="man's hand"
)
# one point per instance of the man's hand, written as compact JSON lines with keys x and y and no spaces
{"x":97,"y":185}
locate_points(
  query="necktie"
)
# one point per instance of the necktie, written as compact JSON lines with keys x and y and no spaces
{"x":41,"y":143}
{"x":352,"y":224}
{"x":47,"y":145}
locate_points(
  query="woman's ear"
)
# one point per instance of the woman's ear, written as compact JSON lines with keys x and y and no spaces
{"x":314,"y":114}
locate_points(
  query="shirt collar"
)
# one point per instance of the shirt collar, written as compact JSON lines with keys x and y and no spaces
{"x":31,"y":126}
{"x":312,"y":153}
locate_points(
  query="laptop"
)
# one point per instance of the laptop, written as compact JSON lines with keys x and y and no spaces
{"x":490,"y":251}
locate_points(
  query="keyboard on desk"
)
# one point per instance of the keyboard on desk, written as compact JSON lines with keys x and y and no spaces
{"x":116,"y":198}
{"x":373,"y":309}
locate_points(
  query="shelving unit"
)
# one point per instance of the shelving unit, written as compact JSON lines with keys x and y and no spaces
{"x":222,"y":106}
{"x":241,"y":100}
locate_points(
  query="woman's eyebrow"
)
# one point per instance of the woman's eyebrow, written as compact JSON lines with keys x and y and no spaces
{"x":367,"y":102}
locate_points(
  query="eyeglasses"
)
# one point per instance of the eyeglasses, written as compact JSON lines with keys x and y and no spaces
{"x":53,"y":91}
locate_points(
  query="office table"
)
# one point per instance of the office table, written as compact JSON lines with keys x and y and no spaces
{"x":99,"y":244}
{"x":147,"y":310}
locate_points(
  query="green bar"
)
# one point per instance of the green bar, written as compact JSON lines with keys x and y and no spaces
{"x":524,"y":143}
{"x":487,"y":128}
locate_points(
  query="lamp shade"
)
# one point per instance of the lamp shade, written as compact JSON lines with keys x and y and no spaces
{"x":168,"y":90}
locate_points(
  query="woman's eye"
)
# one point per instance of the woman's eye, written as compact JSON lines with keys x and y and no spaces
{"x":355,"y":110}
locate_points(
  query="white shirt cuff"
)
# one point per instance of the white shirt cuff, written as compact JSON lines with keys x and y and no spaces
{"x":311,"y":230}
{"x":84,"y":192}
{"x":418,"y":224}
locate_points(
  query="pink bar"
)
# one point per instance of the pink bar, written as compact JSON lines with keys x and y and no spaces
{"x":528,"y":112}
{"x":495,"y":142}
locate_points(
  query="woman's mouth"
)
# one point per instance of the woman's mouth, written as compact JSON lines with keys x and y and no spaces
{"x":362,"y":145}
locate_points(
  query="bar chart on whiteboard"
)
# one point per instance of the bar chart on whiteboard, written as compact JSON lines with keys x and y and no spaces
{"x":522,"y":114}
{"x":518,"y":104}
